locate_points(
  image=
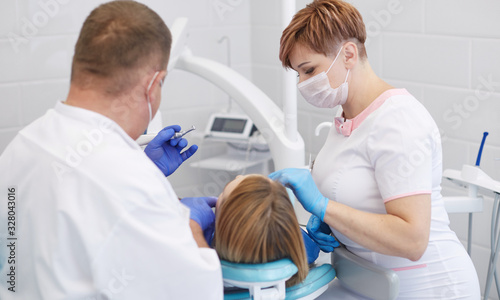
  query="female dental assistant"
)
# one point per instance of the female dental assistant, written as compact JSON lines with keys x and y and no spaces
{"x":376,"y":181}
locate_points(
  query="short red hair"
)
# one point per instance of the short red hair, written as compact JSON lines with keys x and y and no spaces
{"x":322,"y":26}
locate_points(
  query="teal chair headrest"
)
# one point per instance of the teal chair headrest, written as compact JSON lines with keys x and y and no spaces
{"x":271,"y":271}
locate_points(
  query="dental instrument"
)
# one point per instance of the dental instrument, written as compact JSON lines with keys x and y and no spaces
{"x":144,"y":139}
{"x":183,"y":133}
{"x":480,"y":153}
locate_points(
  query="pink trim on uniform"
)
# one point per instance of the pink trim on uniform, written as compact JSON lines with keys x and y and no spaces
{"x":406,"y":195}
{"x":345,"y":127}
{"x":410,"y":268}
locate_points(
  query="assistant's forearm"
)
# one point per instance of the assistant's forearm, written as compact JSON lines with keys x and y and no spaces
{"x":383,"y":233}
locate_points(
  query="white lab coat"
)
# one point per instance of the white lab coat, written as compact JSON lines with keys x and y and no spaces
{"x":94,"y":218}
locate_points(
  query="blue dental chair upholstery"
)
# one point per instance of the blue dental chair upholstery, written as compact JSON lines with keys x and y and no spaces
{"x":267,"y":281}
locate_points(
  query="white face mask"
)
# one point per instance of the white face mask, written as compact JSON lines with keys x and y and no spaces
{"x":147,"y":95}
{"x":318,"y":92}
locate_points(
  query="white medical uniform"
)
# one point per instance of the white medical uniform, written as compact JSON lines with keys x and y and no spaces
{"x":95,"y":218}
{"x":391,"y":150}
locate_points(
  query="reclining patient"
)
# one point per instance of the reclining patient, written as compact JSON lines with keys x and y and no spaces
{"x":256,"y":223}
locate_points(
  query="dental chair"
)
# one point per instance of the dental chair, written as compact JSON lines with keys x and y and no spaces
{"x":267,"y":281}
{"x":355,"y":275}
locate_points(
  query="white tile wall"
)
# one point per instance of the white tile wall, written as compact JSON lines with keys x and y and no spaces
{"x":10,"y":114}
{"x":268,"y":79}
{"x":8,"y":20}
{"x":38,"y":96}
{"x":426,"y":59}
{"x":265,"y":13}
{"x":463,"y":18}
{"x":6,"y":135}
{"x":183,"y":89}
{"x":265,"y":45}
{"x":460,"y":114}
{"x":49,"y":17}
{"x":455,"y":153}
{"x":197,"y":11}
{"x":485,"y":64}
{"x":41,"y":58}
{"x":380,"y":16}
{"x":374,"y":50}
{"x":229,"y":12}
{"x":224,"y":45}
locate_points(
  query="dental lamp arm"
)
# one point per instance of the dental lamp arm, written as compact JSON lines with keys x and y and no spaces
{"x":265,"y":114}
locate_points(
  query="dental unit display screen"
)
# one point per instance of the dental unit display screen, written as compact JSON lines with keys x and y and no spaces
{"x":229,"y":125}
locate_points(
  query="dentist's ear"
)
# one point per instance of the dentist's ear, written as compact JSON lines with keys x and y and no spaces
{"x":351,"y":54}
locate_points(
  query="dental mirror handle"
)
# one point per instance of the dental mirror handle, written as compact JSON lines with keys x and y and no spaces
{"x":480,"y":153}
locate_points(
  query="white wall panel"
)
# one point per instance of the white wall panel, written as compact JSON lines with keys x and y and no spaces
{"x":477,"y":18}
{"x":427,"y":59}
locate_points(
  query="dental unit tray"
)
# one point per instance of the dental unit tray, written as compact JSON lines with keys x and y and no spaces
{"x":473,"y":177}
{"x":267,"y":281}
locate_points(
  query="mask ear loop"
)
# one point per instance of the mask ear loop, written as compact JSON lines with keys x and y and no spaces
{"x":347,"y":75}
{"x":345,"y":80}
{"x":335,"y":59}
{"x":147,"y":93}
{"x":147,"y":97}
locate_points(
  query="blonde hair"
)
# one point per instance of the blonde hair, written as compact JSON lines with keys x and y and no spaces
{"x":256,"y":223}
{"x":116,"y":39}
{"x":321,"y":26}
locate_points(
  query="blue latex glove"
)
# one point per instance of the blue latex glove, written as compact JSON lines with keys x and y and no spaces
{"x":165,"y":152}
{"x":302,"y":184}
{"x":312,"y":249}
{"x":319,"y":232}
{"x":202,"y":213}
